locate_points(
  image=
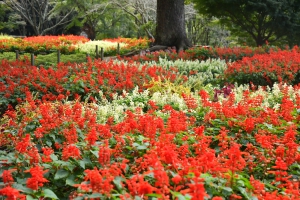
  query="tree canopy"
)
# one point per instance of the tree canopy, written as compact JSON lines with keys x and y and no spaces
{"x":42,"y":15}
{"x":262,"y":21}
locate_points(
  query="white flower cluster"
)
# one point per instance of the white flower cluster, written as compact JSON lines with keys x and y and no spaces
{"x":170,"y":98}
{"x":271,"y":96}
{"x":199,"y":72}
{"x":133,"y":100}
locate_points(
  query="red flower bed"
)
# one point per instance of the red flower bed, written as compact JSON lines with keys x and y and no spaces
{"x":202,"y":53}
{"x":266,"y":69}
{"x":73,"y":80}
{"x":225,"y":150}
{"x":234,"y":144}
{"x":68,"y":39}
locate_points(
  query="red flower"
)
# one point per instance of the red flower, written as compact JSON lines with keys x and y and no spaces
{"x":47,"y":152}
{"x":217,"y":198}
{"x":104,"y":153}
{"x":249,"y":125}
{"x":190,"y":101}
{"x":197,"y":190}
{"x":37,"y":180}
{"x":70,"y":151}
{"x":7,"y":177}
{"x":199,"y":131}
{"x":12,"y":193}
{"x":23,"y":144}
{"x":137,"y":186}
{"x":176,"y":179}
{"x":91,"y":137}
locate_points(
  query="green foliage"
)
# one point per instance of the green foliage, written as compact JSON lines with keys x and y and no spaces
{"x":48,"y":59}
{"x":51,"y":59}
{"x":261,"y":21}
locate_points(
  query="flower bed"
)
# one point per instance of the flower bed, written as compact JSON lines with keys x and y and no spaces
{"x":42,"y":44}
{"x":203,"y":53}
{"x":266,"y":69}
{"x":243,"y":146}
{"x":73,"y":80}
{"x":124,"y":130}
{"x":108,"y":47}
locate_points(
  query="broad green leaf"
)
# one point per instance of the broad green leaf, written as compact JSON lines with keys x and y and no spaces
{"x":84,"y":162}
{"x":50,"y":194}
{"x":22,"y":188}
{"x":61,"y":173}
{"x":95,"y":153}
{"x":71,"y":180}
{"x":53,"y":157}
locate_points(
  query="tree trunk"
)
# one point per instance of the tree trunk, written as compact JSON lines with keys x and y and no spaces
{"x":90,"y":31}
{"x":170,"y":29}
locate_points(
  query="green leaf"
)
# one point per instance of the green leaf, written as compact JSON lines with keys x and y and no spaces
{"x":53,"y":157}
{"x":178,"y":195}
{"x":49,"y":143}
{"x":71,"y":180}
{"x":22,"y":188}
{"x":29,"y":197}
{"x":84,"y":162}
{"x":95,"y":195}
{"x":244,"y":193}
{"x":140,"y":147}
{"x":95,"y":153}
{"x":61,"y":173}
{"x":50,"y":194}
{"x":226,"y":191}
{"x":117,"y":181}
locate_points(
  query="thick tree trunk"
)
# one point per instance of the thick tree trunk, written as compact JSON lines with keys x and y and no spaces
{"x":170,"y":29}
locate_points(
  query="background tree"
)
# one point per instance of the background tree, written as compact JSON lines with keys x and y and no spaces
{"x":143,"y":13}
{"x":203,"y":30}
{"x":258,"y":20}
{"x":88,"y":14}
{"x":115,"y":22}
{"x":10,"y":21}
{"x":42,"y":15}
{"x":170,"y":28}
